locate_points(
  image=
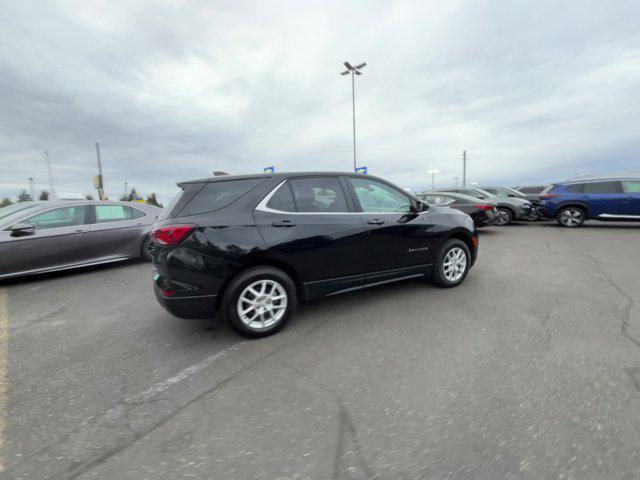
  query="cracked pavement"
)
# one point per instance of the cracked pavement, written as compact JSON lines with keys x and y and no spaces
{"x":528,"y":370}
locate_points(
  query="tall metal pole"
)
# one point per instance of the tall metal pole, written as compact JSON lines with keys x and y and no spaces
{"x":46,"y":156}
{"x":125,"y":190}
{"x":32,"y":193}
{"x":100,"y":183}
{"x":456,"y":179}
{"x":464,"y":168}
{"x":433,"y":179}
{"x":353,"y":101}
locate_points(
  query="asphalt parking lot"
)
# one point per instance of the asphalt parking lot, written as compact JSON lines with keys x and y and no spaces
{"x":530,"y":369}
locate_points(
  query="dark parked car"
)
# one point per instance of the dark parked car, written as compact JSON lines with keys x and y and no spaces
{"x":506,"y":192}
{"x":609,"y":199}
{"x":483,"y":212}
{"x":255,"y":246}
{"x":38,"y":237}
{"x":510,"y":208}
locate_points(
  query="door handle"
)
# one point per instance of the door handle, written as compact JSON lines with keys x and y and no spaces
{"x":375,"y":221}
{"x":283,"y":223}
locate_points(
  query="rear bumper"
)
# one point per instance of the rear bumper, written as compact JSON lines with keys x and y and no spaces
{"x":188,"y":307}
{"x":183,"y":303}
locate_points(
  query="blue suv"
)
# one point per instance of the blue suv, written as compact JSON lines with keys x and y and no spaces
{"x":573,"y":202}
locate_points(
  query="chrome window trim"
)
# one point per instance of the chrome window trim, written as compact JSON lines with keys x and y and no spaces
{"x":262,"y":207}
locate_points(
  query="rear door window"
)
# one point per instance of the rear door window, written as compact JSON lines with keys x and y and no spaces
{"x":113,"y":213}
{"x":601,"y":187}
{"x":216,"y":195}
{"x":631,"y":186}
{"x":575,"y":188}
{"x":318,"y":194}
{"x":282,"y":199}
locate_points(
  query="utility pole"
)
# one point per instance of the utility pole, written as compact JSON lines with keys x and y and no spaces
{"x":433,"y":172}
{"x":456,"y":179}
{"x":354,"y":71}
{"x":464,"y":168}
{"x":125,"y":190}
{"x":100,"y":181}
{"x":46,"y":157}
{"x":33,"y":194}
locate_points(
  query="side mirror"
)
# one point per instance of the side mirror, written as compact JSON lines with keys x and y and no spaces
{"x":420,"y":206}
{"x":513,"y":195}
{"x":21,"y":229}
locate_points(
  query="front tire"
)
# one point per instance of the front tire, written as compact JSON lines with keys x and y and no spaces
{"x":506,"y":216}
{"x":452,"y":264}
{"x":571,"y":217}
{"x":260,"y":301}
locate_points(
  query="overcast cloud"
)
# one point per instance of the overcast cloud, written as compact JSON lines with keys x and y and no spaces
{"x":534,"y":91}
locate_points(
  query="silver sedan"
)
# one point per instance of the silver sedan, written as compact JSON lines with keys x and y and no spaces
{"x":38,"y":237}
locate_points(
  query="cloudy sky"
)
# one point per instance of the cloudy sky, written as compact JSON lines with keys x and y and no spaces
{"x":534,"y":91}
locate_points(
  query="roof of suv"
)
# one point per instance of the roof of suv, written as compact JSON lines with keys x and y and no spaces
{"x":222,"y":178}
{"x":599,"y":178}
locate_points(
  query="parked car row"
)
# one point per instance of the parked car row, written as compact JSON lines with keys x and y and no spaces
{"x":47,"y":236}
{"x":571,"y":203}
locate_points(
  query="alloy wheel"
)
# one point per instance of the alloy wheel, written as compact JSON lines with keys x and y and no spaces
{"x":262,"y":304}
{"x":455,"y":264}
{"x":571,"y":217}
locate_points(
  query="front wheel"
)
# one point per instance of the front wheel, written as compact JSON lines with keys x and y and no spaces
{"x":571,"y":217}
{"x":505,"y":217}
{"x":452,"y":264}
{"x":260,"y":301}
{"x":147,"y":249}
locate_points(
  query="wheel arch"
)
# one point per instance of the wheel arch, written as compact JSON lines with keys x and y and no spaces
{"x":466,"y":238}
{"x":259,"y":261}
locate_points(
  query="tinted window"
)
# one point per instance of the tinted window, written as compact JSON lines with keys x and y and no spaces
{"x":576,"y":188}
{"x":137,"y":213}
{"x":319,"y":194}
{"x":531,"y":190}
{"x":283,"y":199}
{"x":439,"y":199}
{"x":631,"y":186}
{"x":58,"y":218}
{"x":216,"y":195}
{"x":113,"y":213}
{"x":376,"y":197}
{"x":600,"y":187}
{"x":16,"y":207}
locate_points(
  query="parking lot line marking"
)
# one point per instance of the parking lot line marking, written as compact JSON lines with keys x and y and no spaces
{"x":4,"y":338}
{"x":186,"y":373}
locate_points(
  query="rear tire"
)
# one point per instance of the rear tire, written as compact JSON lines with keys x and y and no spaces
{"x":260,"y":301}
{"x":452,"y":264}
{"x":571,"y":217}
{"x":147,"y":249}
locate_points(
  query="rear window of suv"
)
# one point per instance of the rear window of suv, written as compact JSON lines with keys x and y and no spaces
{"x":600,"y":187}
{"x":197,"y":198}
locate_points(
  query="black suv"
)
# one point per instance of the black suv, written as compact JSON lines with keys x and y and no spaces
{"x":255,"y":246}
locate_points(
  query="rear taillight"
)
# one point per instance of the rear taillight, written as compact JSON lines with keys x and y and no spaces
{"x":484,"y":207}
{"x":171,"y":235}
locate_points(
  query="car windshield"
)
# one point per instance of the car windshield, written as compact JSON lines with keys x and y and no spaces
{"x":14,"y":208}
{"x":485,"y":193}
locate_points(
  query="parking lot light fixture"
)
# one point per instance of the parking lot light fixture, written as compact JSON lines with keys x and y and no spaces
{"x":354,"y":71}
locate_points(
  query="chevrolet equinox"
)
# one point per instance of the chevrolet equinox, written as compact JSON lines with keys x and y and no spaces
{"x":256,"y":246}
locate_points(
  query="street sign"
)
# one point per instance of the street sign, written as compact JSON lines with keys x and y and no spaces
{"x":269,"y":170}
{"x":361,"y":170}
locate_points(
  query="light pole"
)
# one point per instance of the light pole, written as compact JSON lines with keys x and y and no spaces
{"x":354,"y":71}
{"x":125,"y":190}
{"x":456,"y":179}
{"x":433,"y":172}
{"x":33,"y":194}
{"x":46,"y":156}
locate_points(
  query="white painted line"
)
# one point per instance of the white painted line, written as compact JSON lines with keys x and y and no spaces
{"x":4,"y":339}
{"x":184,"y":374}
